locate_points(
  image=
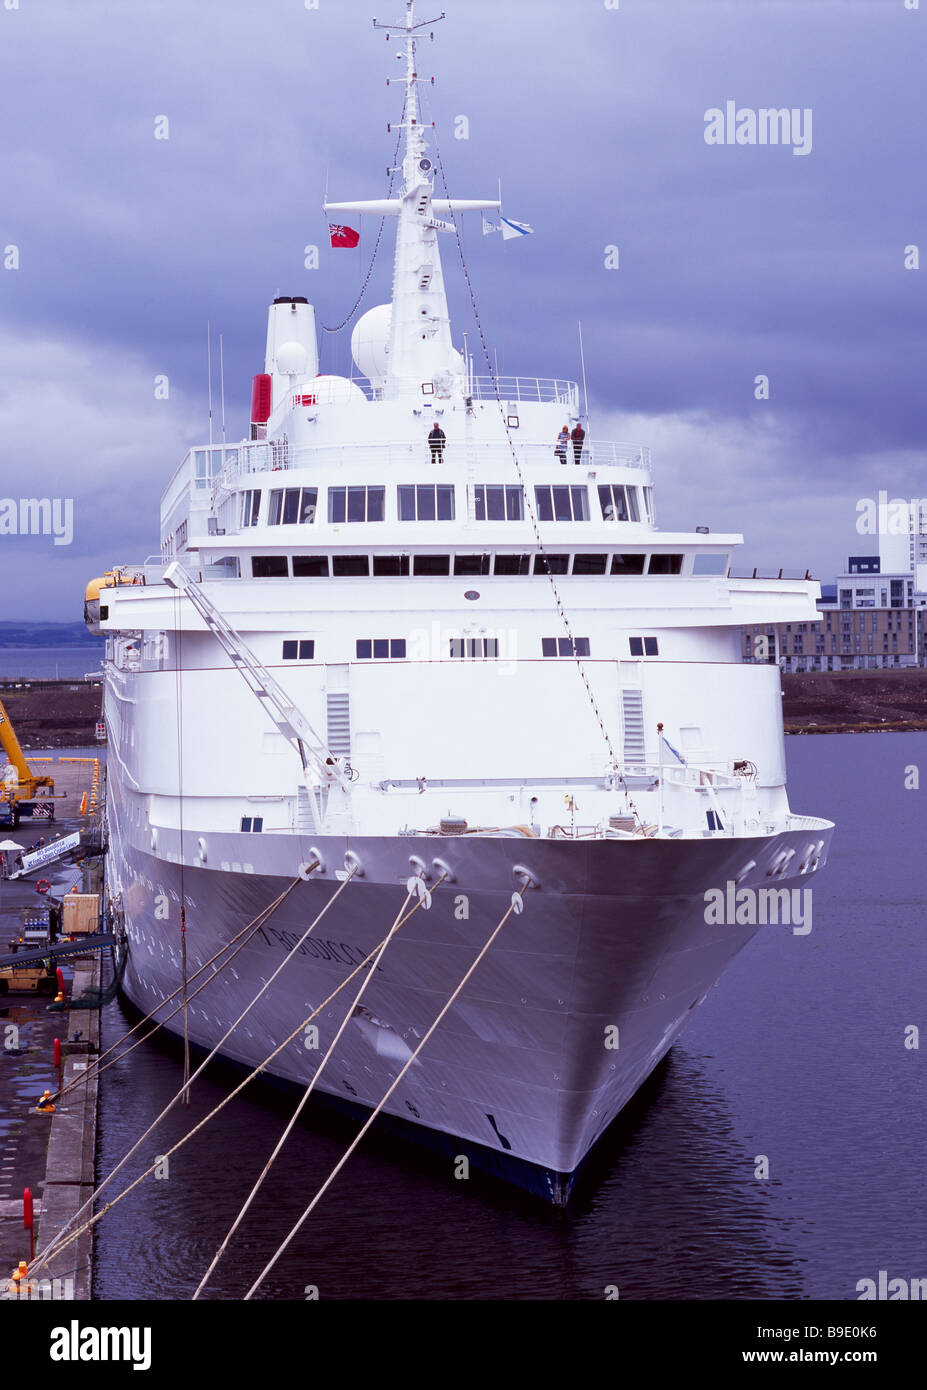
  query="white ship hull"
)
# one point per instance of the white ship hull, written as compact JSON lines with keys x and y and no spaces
{"x":518,"y":1076}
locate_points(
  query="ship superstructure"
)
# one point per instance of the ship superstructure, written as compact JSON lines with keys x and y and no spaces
{"x":400,"y":631}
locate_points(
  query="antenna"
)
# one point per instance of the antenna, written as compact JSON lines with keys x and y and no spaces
{"x":209,"y":375}
{"x":582,"y":358}
{"x":222,"y":386}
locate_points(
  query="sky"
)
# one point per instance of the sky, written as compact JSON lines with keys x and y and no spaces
{"x":734,"y":261}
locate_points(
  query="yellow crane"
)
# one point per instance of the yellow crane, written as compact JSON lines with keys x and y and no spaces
{"x":27,"y":783}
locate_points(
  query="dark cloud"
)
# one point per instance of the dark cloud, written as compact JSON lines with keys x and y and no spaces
{"x":734,"y":261}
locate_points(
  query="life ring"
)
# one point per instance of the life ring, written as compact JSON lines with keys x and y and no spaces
{"x":42,"y":886}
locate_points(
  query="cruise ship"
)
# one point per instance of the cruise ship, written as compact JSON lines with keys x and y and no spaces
{"x":419,"y":638}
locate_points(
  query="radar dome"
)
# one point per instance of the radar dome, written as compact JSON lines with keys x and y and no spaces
{"x":370,"y":343}
{"x":292,"y":359}
{"x":334,"y":390}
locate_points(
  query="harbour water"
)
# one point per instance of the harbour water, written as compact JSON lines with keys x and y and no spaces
{"x":795,"y":1064}
{"x":50,"y":663}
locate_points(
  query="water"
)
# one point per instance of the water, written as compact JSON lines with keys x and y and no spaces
{"x":797,"y":1056}
{"x":48,"y":663}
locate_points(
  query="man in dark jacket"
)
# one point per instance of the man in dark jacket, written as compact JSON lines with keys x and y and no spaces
{"x":436,"y":443}
{"x":578,"y":435}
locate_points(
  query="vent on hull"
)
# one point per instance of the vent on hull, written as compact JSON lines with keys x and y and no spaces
{"x":339,"y":723}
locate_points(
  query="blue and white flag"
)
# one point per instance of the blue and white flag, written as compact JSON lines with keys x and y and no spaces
{"x":507,"y":227}
{"x":674,"y":751}
{"x":511,"y":229}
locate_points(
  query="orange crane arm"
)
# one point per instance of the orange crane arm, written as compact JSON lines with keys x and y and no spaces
{"x":11,"y":746}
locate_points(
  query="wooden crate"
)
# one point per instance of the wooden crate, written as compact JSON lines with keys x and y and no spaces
{"x":79,"y":913}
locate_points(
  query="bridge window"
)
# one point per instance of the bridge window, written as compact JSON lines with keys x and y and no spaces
{"x":474,"y":648}
{"x":390,"y":566}
{"x":310,"y":566}
{"x":665,"y":564}
{"x":562,"y":503}
{"x":431,"y":565}
{"x":618,"y":503}
{"x":710,"y":564}
{"x":356,"y":503}
{"x":250,"y":508}
{"x":292,"y":506}
{"x":627,"y":564}
{"x":493,"y":503}
{"x":643,"y":646}
{"x":562,"y":646}
{"x":426,"y":502}
{"x":350,"y":566}
{"x":252,"y":824}
{"x":381,"y":649}
{"x":551,"y":564}
{"x":589,"y":564}
{"x":471,"y":564}
{"x":300,"y":650}
{"x":269,"y":567}
{"x":512,"y":564}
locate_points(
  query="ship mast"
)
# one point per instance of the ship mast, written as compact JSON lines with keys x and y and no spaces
{"x":420,"y":346}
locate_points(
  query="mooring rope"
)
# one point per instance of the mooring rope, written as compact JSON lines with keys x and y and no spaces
{"x":517,"y":898}
{"x":307,"y":1093}
{"x":249,"y":931}
{"x":170,"y":1105}
{"x":50,"y":1252}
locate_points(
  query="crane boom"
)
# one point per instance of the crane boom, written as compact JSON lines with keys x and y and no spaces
{"x":28,"y":781}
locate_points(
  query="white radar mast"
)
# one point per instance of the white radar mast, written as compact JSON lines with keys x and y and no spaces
{"x":420,"y":347}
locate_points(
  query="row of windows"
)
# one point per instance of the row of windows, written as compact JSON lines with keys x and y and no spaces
{"x":394,"y":648}
{"x":381,"y":649}
{"x":435,"y":502}
{"x":463,"y":566}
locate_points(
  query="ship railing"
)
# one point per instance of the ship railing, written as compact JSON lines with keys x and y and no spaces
{"x":639,"y":776}
{"x":525,"y":388}
{"x":203,"y":467}
{"x":686,"y":775}
{"x":775,"y":575}
{"x":397,"y":454}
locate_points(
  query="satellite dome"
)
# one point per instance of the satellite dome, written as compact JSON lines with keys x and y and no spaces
{"x":334,"y":390}
{"x":370,"y":343}
{"x":292,"y":359}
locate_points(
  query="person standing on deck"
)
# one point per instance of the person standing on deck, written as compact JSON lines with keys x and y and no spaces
{"x":436,"y":443}
{"x":560,"y":448}
{"x":578,"y":436}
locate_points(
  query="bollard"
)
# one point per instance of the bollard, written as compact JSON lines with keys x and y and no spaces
{"x":62,"y":988}
{"x":29,"y":1220}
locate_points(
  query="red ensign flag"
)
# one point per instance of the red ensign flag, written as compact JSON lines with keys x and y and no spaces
{"x":343,"y":236}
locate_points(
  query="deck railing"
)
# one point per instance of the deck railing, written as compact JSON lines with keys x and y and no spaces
{"x":395,"y":455}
